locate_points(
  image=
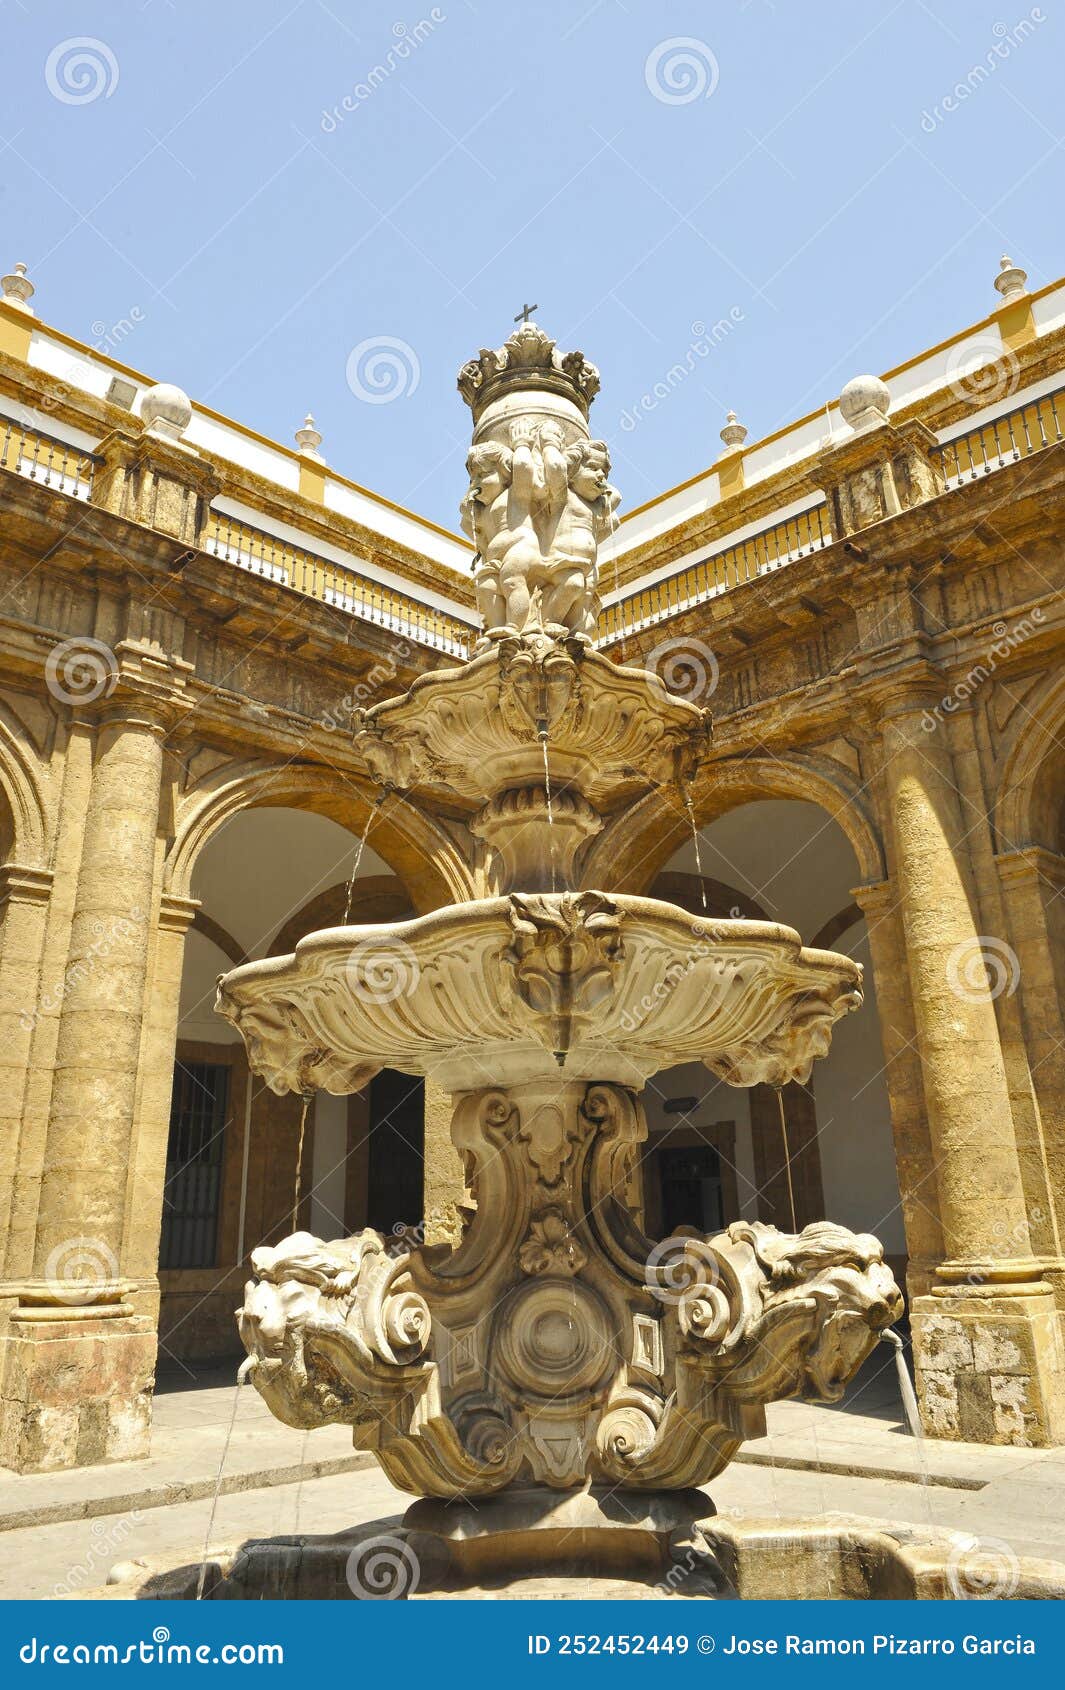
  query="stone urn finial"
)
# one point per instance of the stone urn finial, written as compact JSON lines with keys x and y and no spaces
{"x":1011,"y":280}
{"x":733,"y":433}
{"x":864,"y":403}
{"x":18,"y":289}
{"x":308,"y":439}
{"x":166,"y":410}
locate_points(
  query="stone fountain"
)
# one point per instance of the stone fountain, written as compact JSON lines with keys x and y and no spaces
{"x":555,"y":1385}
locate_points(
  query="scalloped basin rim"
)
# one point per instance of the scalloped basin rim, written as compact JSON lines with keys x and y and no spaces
{"x":529,"y":987}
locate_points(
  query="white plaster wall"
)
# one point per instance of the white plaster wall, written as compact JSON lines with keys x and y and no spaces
{"x":788,"y":855}
{"x":204,"y":962}
{"x":266,"y":863}
{"x":798,"y":864}
{"x":328,"y":1170}
{"x":854,"y":1119}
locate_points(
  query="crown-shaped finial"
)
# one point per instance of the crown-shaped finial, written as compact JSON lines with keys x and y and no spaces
{"x":529,"y":359}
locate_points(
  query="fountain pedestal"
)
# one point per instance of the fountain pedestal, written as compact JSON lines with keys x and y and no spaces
{"x":558,"y":1345}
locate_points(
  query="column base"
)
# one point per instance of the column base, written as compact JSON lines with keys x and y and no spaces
{"x":77,"y":1388}
{"x":989,"y":1363}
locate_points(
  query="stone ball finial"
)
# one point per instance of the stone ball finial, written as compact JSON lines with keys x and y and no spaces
{"x":864,"y":403}
{"x":1011,"y":280}
{"x":18,"y":289}
{"x":308,"y":439}
{"x":167,"y":410}
{"x":733,"y":433}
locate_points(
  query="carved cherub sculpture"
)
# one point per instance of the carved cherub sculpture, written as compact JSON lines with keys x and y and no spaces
{"x":580,"y":506}
{"x":536,"y":511}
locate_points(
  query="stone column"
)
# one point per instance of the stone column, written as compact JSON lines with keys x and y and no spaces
{"x":24,"y":895}
{"x":914,"y":1159}
{"x":159,"y":1044}
{"x":987,"y":1346}
{"x":81,"y":1362}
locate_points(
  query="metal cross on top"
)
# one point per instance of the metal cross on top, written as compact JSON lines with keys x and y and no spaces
{"x":525,"y":313}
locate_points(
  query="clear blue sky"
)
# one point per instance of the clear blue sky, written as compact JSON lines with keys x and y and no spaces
{"x":522,"y":152}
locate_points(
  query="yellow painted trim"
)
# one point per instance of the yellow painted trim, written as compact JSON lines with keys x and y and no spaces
{"x":248,"y":433}
{"x":312,"y":482}
{"x":800,"y":422}
{"x":1016,"y":323}
{"x":730,"y":478}
{"x":16,"y":329}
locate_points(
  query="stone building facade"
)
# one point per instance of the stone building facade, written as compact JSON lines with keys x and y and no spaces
{"x":870,"y":601}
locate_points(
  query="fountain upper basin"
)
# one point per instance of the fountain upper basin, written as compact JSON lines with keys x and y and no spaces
{"x":563,"y":986}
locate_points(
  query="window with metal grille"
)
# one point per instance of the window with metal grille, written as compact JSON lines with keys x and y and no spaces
{"x":194,"y":1165}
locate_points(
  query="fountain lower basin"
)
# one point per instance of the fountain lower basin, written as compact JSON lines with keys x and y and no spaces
{"x":609,"y":1546}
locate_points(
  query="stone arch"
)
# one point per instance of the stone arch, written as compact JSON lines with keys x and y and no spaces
{"x":420,"y":853}
{"x":375,"y":898}
{"x":1031,"y":789}
{"x":24,"y":828}
{"x":632,"y":850}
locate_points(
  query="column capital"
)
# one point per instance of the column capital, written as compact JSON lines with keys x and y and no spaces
{"x":21,"y":885}
{"x":176,"y":914}
{"x":876,"y":899}
{"x":1031,"y":862}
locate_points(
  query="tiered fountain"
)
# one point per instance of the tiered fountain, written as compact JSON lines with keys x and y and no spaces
{"x":553,"y":1386}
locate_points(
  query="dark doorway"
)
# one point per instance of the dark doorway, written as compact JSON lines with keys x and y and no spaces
{"x":691,"y":1189}
{"x":395,"y":1180}
{"x":194,"y":1165}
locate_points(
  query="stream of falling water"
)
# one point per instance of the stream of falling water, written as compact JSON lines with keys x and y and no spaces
{"x":787,"y":1155}
{"x":359,"y":849}
{"x":297,"y":1188}
{"x":690,"y":808}
{"x":542,"y":735}
{"x":242,"y":1373}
